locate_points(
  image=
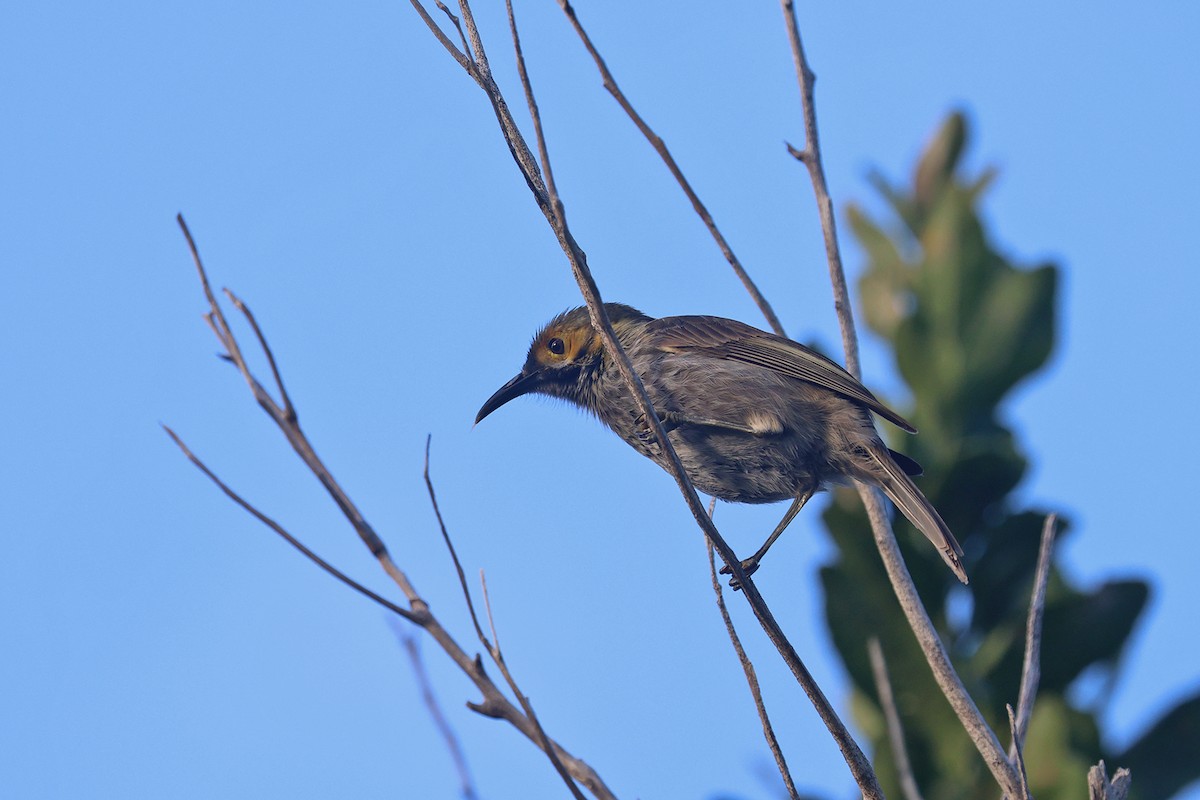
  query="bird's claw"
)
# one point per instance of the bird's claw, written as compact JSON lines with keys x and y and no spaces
{"x":645,"y":434}
{"x":749,"y":567}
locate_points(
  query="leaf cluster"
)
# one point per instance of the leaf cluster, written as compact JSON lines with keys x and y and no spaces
{"x":967,"y":326}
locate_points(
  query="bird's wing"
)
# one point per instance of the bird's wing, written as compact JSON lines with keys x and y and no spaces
{"x":736,"y":341}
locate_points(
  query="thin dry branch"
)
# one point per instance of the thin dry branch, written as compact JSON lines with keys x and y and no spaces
{"x":906,"y":592}
{"x":534,"y":114}
{"x":462,"y":577}
{"x":417,"y":618}
{"x":660,"y":147}
{"x":1019,"y":753}
{"x":466,"y":785}
{"x":883,"y":685}
{"x":810,"y":157}
{"x":750,"y":672}
{"x":498,"y":657}
{"x":552,"y":208}
{"x":494,"y":703}
{"x":492,"y":646}
{"x":1031,"y":669}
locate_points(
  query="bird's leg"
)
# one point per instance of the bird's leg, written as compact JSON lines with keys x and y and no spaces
{"x":750,"y":564}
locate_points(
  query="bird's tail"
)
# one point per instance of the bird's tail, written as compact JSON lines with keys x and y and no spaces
{"x":890,"y":476}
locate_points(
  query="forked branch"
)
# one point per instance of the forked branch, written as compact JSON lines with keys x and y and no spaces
{"x":494,"y":702}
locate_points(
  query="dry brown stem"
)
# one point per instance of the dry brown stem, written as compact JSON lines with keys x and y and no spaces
{"x":1031,"y":670}
{"x":1018,"y":753}
{"x":883,"y":686}
{"x":465,"y":784}
{"x":749,"y":671}
{"x":906,"y":592}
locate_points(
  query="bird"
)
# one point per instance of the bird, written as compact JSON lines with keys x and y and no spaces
{"x":754,"y":417}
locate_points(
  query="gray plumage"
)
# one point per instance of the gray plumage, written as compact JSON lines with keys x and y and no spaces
{"x":754,"y":417}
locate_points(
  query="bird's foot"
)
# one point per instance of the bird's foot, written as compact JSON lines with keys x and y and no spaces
{"x":749,"y":567}
{"x":645,"y":435}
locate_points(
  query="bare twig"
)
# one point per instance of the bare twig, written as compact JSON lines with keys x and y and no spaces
{"x":883,"y":685}
{"x":493,"y":645}
{"x":810,"y":157}
{"x":466,"y":785}
{"x":1018,"y":753}
{"x":1031,"y":669}
{"x":498,"y":657}
{"x":462,"y":577}
{"x":531,"y":101}
{"x":918,"y":619}
{"x":461,"y":57}
{"x":411,"y":616}
{"x":494,"y":703}
{"x":289,"y":411}
{"x":748,"y":669}
{"x":462,"y":38}
{"x":660,"y":147}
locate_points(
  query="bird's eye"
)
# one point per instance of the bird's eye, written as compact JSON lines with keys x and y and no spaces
{"x":556,"y":346}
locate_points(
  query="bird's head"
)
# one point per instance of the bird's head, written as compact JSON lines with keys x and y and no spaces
{"x":562,"y":357}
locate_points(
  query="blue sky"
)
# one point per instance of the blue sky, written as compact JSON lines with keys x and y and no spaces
{"x":344,"y":176}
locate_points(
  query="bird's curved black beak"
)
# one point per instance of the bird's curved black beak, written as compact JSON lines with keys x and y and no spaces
{"x":523,"y":383}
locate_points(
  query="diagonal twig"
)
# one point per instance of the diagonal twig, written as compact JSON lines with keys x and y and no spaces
{"x":883,"y":685}
{"x":466,"y":785}
{"x":493,"y":645}
{"x":462,"y":577}
{"x":498,"y":657}
{"x":1018,"y":753}
{"x":751,"y":675}
{"x":660,"y":147}
{"x":411,"y":616}
{"x":531,"y":101}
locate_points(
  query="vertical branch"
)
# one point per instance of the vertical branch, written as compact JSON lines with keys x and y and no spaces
{"x":1031,"y":670}
{"x":906,"y":592}
{"x":810,"y":157}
